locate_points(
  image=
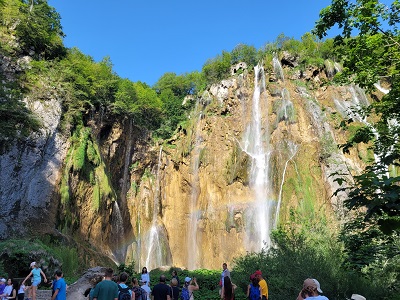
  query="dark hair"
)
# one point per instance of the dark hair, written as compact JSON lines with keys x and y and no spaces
{"x":109,"y":272}
{"x":255,"y":282}
{"x":134,"y":280}
{"x":144,"y":268}
{"x":174,"y":273}
{"x":228,"y":288}
{"x":58,"y":273}
{"x":163,"y":278}
{"x":123,"y":277}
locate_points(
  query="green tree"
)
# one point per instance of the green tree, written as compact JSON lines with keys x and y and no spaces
{"x":372,"y":55}
{"x":218,"y":68}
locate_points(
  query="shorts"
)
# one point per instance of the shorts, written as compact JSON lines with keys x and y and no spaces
{"x":36,"y":282}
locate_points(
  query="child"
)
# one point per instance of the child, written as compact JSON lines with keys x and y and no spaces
{"x":21,"y":291}
{"x":36,"y":272}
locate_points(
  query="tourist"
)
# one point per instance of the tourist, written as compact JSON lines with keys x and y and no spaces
{"x":253,"y":289}
{"x":175,"y":275}
{"x":9,"y":291}
{"x":147,"y":289}
{"x":123,"y":288}
{"x":59,"y":287}
{"x":106,"y":289}
{"x":2,"y":285}
{"x":191,"y":286}
{"x":161,"y":291}
{"x":263,"y":284}
{"x":311,"y":290}
{"x":174,"y":289}
{"x":21,"y":291}
{"x":225,"y":273}
{"x":145,"y":276}
{"x":37,"y":279}
{"x":228,"y":289}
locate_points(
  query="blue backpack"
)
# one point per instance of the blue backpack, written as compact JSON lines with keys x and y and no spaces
{"x":185,"y":294}
{"x":254,"y":293}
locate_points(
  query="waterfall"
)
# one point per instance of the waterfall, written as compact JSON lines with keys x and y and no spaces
{"x":118,"y":233}
{"x":278,"y":68}
{"x":158,"y":253}
{"x":192,"y":235}
{"x":256,"y":145}
{"x":292,"y":150}
{"x":124,"y":188}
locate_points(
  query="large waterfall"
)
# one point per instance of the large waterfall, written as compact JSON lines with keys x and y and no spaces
{"x":256,"y":144}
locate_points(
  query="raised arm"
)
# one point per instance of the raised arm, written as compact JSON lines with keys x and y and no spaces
{"x":29,"y":275}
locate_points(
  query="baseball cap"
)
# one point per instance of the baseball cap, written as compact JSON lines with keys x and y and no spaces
{"x":187,"y":279}
{"x":318,"y":286}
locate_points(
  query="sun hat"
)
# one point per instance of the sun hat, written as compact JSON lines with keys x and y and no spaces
{"x":187,"y":279}
{"x":258,"y":272}
{"x":309,"y":282}
{"x":3,"y":280}
{"x":33,"y":264}
{"x":357,"y":297}
{"x":318,"y":286}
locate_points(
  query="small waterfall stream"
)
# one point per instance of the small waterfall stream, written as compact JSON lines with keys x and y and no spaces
{"x":118,"y":233}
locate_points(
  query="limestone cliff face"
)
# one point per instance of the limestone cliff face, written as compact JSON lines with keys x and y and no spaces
{"x":255,"y":146}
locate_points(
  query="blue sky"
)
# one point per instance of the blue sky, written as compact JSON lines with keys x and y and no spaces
{"x":148,"y":38}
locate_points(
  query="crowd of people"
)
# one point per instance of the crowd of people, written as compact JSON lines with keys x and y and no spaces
{"x":112,"y":287}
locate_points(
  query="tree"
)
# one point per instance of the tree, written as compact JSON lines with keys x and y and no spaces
{"x":372,"y":55}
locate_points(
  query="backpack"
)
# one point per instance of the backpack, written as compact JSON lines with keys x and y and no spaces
{"x":185,"y":294}
{"x":254,"y":293}
{"x":140,"y":294}
{"x":123,"y":293}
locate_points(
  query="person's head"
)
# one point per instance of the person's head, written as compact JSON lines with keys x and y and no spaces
{"x":33,"y":265}
{"x":163,"y":279}
{"x":174,"y":282}
{"x":187,"y":280}
{"x":357,"y":297}
{"x":9,"y":281}
{"x":109,"y":273}
{"x":258,"y":274}
{"x":58,"y":274}
{"x":174,"y":273}
{"x":3,"y":281}
{"x":123,"y":277}
{"x":134,"y":281}
{"x":318,"y":286}
{"x":224,"y":266}
{"x":144,"y":270}
{"x":309,"y":288}
{"x":254,"y":280}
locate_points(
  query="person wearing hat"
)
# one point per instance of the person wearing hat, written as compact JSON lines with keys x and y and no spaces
{"x":191,"y":286}
{"x":36,"y":272}
{"x":2,"y":285}
{"x":263,"y":284}
{"x":357,"y":297}
{"x":311,"y":290}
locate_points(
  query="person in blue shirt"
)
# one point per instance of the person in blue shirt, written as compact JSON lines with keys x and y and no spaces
{"x":59,"y":287}
{"x":36,"y":272}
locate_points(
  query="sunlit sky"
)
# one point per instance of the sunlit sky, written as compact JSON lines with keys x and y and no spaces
{"x":145,"y":39}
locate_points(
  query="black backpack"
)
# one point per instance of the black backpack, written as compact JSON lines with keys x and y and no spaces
{"x":123,"y":293}
{"x":140,"y":294}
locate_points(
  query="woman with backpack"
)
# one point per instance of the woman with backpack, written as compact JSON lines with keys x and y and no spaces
{"x":228,"y":289}
{"x":254,"y":289}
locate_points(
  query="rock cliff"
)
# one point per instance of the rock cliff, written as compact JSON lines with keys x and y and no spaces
{"x":256,"y":146}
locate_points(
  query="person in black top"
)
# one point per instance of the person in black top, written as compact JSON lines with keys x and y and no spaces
{"x":161,"y":291}
{"x":174,"y":289}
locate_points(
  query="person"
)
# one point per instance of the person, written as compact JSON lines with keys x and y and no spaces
{"x":137,"y":290}
{"x":311,"y":290}
{"x":161,"y":291}
{"x":228,"y":289}
{"x":36,"y":272}
{"x":147,"y":289}
{"x":263,"y":284}
{"x":2,"y":285}
{"x":21,"y":291}
{"x":225,"y":273}
{"x":123,"y":288}
{"x":145,"y":277}
{"x":357,"y":297}
{"x":174,"y":289}
{"x":59,"y":287}
{"x":191,"y":286}
{"x":175,"y":275}
{"x":253,"y":289}
{"x":10,"y":290}
{"x":106,"y":289}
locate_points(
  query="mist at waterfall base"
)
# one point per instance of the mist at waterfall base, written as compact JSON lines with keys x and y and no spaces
{"x":261,"y":212}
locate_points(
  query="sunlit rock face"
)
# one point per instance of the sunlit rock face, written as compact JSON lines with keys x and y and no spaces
{"x":256,"y":145}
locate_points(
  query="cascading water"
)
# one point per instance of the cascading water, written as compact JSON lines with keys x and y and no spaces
{"x":158,"y":253}
{"x":118,"y":233}
{"x":257,"y":146}
{"x":278,"y":68}
{"x":192,"y":234}
{"x":291,"y":150}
